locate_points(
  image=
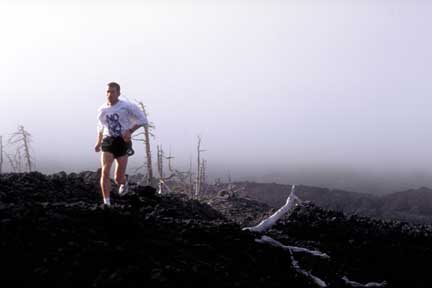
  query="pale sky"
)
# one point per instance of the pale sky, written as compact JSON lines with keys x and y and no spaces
{"x":326,"y":93}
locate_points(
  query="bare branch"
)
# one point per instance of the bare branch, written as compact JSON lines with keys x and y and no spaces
{"x":23,"y":139}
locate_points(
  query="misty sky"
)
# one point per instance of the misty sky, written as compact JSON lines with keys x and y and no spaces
{"x":327,"y":93}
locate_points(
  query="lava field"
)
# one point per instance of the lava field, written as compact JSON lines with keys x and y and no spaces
{"x":54,"y":231}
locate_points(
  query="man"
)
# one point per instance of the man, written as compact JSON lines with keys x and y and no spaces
{"x":117,"y":120}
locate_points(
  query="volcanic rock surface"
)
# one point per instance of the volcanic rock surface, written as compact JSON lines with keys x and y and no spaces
{"x":54,"y":231}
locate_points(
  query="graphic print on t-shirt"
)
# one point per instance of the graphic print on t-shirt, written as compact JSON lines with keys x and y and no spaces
{"x":114,"y":126}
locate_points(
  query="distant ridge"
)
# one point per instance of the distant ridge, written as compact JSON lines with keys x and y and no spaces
{"x":414,"y":205}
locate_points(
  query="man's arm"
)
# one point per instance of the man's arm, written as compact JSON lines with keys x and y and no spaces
{"x":100,"y":129}
{"x":141,"y":120}
{"x":134,"y":128}
{"x":98,"y":141}
{"x":127,"y":135}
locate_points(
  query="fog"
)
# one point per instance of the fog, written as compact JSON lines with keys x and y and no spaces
{"x":326,"y":93}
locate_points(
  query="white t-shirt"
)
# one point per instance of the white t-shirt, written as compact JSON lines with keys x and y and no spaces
{"x":114,"y":120}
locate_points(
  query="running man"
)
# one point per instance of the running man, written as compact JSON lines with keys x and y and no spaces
{"x":117,"y":120}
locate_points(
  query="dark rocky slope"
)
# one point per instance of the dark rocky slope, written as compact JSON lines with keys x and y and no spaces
{"x":360,"y":248}
{"x":54,"y":232}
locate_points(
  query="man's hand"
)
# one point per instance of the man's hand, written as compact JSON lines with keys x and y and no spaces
{"x":127,"y":136}
{"x":98,"y":147}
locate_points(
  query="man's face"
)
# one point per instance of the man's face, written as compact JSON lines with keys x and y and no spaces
{"x":112,"y":94}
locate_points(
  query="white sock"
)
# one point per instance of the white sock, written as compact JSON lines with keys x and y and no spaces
{"x":107,"y":201}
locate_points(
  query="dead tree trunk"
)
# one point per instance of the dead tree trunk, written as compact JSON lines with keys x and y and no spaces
{"x":12,"y":162}
{"x":169,"y":161}
{"x":160,"y":167}
{"x":162,"y":181}
{"x":26,"y":148}
{"x":148,"y":153}
{"x":190,"y":177}
{"x":160,"y":161}
{"x":203,"y":171}
{"x":22,"y":138}
{"x":18,"y":160}
{"x":147,"y":146}
{"x":198,"y":177}
{"x":204,"y":175}
{"x":197,"y":184}
{"x":1,"y":154}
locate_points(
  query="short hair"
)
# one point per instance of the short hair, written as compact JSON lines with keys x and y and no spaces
{"x":114,"y":85}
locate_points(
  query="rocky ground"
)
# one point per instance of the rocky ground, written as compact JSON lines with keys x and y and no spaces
{"x":53,"y":231}
{"x":245,"y":212}
{"x":361,"y":248}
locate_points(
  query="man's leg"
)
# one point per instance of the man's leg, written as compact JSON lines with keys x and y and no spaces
{"x":120,"y":170}
{"x":107,"y":159}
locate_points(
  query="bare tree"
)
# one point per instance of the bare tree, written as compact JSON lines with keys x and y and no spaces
{"x":184,"y":179}
{"x":160,"y":161}
{"x":203,"y":171}
{"x":169,"y":160}
{"x":203,"y":180}
{"x":198,"y":176}
{"x":22,"y":139}
{"x":12,"y":162}
{"x":1,"y":154}
{"x":15,"y":161}
{"x":19,"y":161}
{"x":190,"y":177}
{"x":147,"y":133}
{"x":160,"y":168}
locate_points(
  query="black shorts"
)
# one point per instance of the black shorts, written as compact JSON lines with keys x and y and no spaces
{"x":117,"y":146}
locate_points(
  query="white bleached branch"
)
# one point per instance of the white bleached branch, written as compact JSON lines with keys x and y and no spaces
{"x":359,"y":285}
{"x":290,"y":249}
{"x":270,"y":221}
{"x":271,"y":241}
